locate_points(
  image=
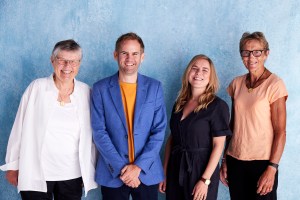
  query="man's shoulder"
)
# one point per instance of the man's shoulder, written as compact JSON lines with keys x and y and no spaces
{"x":149,"y":80}
{"x":103,"y":82}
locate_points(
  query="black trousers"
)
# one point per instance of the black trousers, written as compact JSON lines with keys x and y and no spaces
{"x":243,"y":177}
{"x":143,"y":192}
{"x":61,"y":190}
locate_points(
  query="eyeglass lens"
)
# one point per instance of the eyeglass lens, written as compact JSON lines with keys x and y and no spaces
{"x":255,"y":53}
{"x":65,"y":62}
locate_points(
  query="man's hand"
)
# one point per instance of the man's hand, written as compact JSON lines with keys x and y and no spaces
{"x":12,"y":177}
{"x":130,"y":175}
{"x":134,"y":183}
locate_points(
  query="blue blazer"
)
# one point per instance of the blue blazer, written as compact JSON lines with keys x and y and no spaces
{"x":110,"y":130}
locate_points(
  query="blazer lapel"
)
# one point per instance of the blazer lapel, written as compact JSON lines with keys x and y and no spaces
{"x":116,"y":97}
{"x":140,"y":97}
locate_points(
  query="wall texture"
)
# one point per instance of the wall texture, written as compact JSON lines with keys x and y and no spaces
{"x":173,"y":32}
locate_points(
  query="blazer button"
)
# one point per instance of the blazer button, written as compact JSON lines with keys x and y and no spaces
{"x":126,"y":156}
{"x":126,"y":136}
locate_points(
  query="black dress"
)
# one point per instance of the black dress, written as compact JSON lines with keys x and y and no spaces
{"x":191,"y":148}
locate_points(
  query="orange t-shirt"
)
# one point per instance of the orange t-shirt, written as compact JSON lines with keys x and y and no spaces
{"x":128,"y":91}
{"x":253,"y":135}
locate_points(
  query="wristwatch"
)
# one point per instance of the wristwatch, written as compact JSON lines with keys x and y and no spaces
{"x":205,"y":181}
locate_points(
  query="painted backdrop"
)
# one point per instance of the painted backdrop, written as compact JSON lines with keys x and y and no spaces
{"x":173,"y":32}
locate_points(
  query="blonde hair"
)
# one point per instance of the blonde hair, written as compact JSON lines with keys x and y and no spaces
{"x":185,"y":92}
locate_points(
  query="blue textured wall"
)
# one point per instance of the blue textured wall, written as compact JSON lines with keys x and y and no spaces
{"x":173,"y":32}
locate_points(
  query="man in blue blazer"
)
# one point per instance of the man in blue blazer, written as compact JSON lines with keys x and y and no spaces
{"x":129,"y":122}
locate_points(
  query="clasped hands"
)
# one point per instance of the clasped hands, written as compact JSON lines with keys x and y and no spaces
{"x":130,"y":175}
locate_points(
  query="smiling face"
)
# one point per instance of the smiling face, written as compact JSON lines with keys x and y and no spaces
{"x":252,"y":63}
{"x":199,"y":74}
{"x":66,"y":65}
{"x":129,"y":56}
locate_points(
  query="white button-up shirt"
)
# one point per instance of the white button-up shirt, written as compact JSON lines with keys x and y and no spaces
{"x":27,"y":135}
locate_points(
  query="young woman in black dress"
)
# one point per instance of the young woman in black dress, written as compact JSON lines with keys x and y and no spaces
{"x":199,"y":125}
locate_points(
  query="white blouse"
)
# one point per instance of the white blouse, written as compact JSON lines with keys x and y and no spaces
{"x":60,"y":155}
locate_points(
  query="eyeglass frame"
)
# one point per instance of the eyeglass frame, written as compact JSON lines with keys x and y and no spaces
{"x":73,"y":63}
{"x":251,"y":52}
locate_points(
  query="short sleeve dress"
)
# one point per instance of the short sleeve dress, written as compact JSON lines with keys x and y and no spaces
{"x":192,"y":140}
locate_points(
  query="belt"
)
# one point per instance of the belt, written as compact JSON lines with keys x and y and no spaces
{"x":184,"y":160}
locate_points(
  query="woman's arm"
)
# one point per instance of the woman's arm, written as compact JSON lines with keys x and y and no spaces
{"x":218,"y":145}
{"x":162,"y":185}
{"x":223,"y":171}
{"x":200,"y":188}
{"x":15,"y":138}
{"x":278,"y":117}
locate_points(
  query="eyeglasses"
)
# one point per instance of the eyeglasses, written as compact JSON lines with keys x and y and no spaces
{"x":255,"y":53}
{"x":62,"y":61}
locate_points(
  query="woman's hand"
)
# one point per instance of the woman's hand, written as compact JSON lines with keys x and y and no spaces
{"x":12,"y":177}
{"x":223,"y":173}
{"x":162,"y":186}
{"x":200,"y":191}
{"x":266,"y":181}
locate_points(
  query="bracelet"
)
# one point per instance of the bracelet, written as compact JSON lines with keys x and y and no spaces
{"x":273,"y":165}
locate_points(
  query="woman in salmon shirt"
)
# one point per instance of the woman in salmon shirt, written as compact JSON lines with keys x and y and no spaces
{"x":250,"y":164}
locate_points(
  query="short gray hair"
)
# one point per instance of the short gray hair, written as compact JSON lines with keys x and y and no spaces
{"x":66,"y":45}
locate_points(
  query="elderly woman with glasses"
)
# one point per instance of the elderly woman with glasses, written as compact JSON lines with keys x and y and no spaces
{"x":258,"y":122}
{"x":50,"y":150}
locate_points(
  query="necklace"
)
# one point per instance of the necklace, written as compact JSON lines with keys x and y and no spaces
{"x":61,"y":99}
{"x":250,"y":89}
{"x":66,"y":95}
